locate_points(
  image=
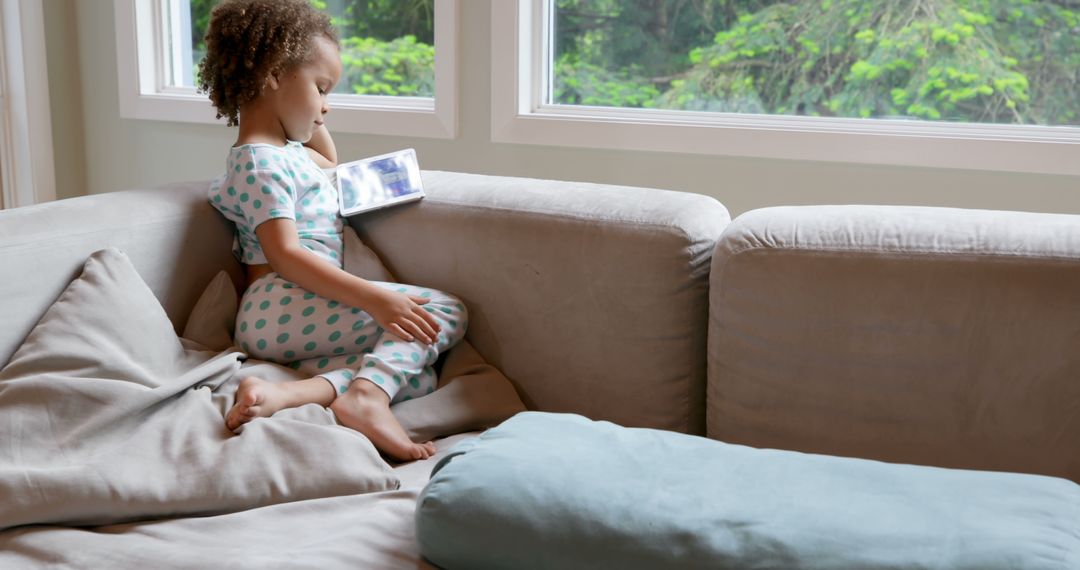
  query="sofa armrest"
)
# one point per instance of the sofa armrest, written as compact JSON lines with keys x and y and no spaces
{"x":916,"y":335}
{"x":591,"y":298}
{"x":175,"y":239}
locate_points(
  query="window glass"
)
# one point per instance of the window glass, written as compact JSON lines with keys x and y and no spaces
{"x":977,"y":61}
{"x":387,"y":46}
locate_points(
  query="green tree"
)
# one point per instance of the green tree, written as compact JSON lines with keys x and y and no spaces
{"x":387,"y":46}
{"x":388,"y":19}
{"x":625,"y":53}
{"x":400,"y":67}
{"x":1014,"y":61}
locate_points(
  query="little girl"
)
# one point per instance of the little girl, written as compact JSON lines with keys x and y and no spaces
{"x":268,"y":68}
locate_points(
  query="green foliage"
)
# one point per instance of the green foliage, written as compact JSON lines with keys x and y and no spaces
{"x":578,"y":83}
{"x":386,"y":45}
{"x":388,"y":19}
{"x":1014,"y":61}
{"x":402,"y":67}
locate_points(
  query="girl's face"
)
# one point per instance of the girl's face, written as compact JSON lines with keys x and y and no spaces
{"x":299,"y":95}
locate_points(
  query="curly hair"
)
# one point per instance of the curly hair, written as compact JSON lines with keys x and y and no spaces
{"x":247,"y":41}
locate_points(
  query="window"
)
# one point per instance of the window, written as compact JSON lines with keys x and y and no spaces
{"x":398,"y":63}
{"x":969,"y":84}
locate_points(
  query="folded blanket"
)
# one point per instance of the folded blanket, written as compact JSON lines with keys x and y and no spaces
{"x":106,"y":417}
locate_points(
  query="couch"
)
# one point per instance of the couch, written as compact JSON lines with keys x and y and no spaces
{"x":912,"y":335}
{"x":591,"y":299}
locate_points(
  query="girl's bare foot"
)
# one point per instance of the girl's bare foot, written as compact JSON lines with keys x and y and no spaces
{"x":366,"y":408}
{"x":255,"y":398}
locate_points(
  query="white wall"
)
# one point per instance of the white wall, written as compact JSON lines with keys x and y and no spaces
{"x":65,"y":98}
{"x":121,"y":153}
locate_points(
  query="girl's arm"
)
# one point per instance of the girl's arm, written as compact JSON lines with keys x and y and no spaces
{"x":321,"y":148}
{"x":396,"y":312}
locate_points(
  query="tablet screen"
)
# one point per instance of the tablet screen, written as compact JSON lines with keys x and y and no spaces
{"x":379,"y":181}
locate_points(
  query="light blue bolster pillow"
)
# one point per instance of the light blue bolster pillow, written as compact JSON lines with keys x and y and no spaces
{"x":560,"y":491}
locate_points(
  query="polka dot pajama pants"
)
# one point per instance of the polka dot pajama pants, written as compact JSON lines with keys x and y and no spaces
{"x":283,"y":323}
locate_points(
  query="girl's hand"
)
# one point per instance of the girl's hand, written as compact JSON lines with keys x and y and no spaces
{"x":402,"y":315}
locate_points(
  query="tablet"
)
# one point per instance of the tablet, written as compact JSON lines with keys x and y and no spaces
{"x":380,"y":181}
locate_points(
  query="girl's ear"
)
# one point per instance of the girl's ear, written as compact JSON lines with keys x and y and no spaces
{"x":272,"y":81}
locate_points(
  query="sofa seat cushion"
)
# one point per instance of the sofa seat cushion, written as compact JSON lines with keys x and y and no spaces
{"x":561,"y":491}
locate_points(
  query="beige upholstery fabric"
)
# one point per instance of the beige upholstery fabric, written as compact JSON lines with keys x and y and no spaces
{"x":916,"y":335}
{"x":107,"y":418}
{"x":591,"y":299}
{"x":213,"y":319}
{"x":175,"y":239}
{"x":472,"y":394}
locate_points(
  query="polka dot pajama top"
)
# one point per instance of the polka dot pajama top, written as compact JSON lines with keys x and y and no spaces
{"x":280,"y":321}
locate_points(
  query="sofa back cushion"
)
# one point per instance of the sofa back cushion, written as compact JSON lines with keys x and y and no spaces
{"x":916,"y":335}
{"x":175,"y":239}
{"x":591,"y":298}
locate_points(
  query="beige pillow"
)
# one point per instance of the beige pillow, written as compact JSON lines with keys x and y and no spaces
{"x":471,"y":395}
{"x":212,"y":320}
{"x":361,"y":260}
{"x":105,"y":417}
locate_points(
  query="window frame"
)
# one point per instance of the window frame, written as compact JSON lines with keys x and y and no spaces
{"x":519,"y":115}
{"x":141,"y":64}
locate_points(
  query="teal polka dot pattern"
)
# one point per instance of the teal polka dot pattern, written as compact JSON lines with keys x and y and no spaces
{"x":261,"y":182}
{"x":321,"y":337}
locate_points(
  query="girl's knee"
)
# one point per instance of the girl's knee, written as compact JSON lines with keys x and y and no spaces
{"x":450,"y":306}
